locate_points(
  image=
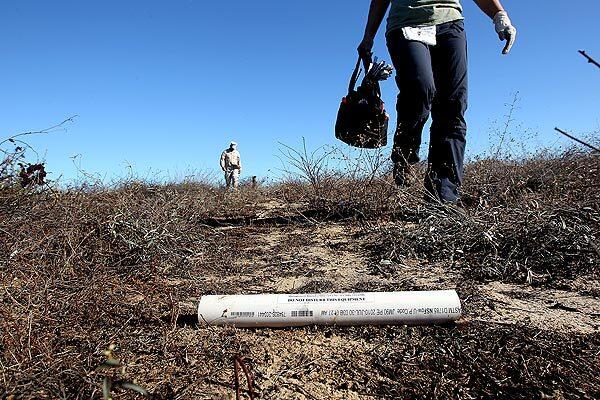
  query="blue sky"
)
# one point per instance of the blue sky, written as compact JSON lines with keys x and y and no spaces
{"x":164,"y":85}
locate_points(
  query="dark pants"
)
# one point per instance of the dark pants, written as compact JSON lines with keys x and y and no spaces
{"x":432,"y":80}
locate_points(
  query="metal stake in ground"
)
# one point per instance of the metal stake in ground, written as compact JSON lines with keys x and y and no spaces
{"x":238,"y":362}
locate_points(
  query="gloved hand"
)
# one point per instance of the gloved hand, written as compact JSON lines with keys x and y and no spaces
{"x":505,"y":30}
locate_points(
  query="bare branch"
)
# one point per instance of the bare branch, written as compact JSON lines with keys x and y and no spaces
{"x":13,"y":166}
{"x":47,"y":130}
{"x":577,"y":140}
{"x":590,"y":59}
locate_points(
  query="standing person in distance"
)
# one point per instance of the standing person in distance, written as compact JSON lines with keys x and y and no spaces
{"x":231,"y":165}
{"x":428,"y":46}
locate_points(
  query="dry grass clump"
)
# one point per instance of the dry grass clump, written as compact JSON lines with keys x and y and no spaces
{"x":478,"y":361}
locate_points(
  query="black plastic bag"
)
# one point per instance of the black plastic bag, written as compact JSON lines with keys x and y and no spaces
{"x":361,"y":119}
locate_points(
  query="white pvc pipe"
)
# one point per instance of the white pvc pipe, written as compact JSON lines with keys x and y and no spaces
{"x":279,"y":310}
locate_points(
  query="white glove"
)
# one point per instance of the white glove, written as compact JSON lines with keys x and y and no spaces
{"x":505,"y":30}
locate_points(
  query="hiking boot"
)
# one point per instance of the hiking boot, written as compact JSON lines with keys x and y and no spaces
{"x":403,"y":174}
{"x":440,"y":190}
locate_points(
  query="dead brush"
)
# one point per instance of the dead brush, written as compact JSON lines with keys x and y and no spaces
{"x":480,"y":361}
{"x":341,"y":182}
{"x":15,"y":169}
{"x":88,"y":266}
{"x":534,"y":221}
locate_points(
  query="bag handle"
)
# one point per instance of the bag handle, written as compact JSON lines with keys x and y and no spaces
{"x":366,"y":62}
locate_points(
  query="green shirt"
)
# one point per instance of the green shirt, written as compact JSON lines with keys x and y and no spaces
{"x":422,"y":12}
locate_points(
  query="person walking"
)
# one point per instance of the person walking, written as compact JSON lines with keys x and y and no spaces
{"x":427,"y":43}
{"x":231,"y":164}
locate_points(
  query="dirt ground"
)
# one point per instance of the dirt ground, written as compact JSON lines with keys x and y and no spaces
{"x":339,"y":363}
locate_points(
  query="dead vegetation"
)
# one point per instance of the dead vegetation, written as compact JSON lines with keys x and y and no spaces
{"x":90,"y":274}
{"x":533,"y":222}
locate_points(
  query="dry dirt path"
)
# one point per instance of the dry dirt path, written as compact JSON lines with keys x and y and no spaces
{"x":320,"y":363}
{"x":332,"y":257}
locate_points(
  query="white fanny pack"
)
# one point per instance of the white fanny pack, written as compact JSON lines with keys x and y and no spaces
{"x":423,"y":34}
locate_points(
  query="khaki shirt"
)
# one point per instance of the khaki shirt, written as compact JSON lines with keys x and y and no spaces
{"x":230,"y":160}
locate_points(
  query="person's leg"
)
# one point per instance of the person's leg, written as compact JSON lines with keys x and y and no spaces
{"x":448,"y":129}
{"x":414,"y":77}
{"x":227,"y":179}
{"x":235,"y":177}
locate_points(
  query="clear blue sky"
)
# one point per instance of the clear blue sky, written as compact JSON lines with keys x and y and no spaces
{"x":166,"y":84}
